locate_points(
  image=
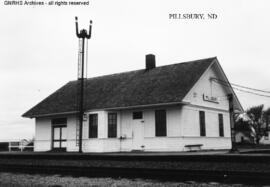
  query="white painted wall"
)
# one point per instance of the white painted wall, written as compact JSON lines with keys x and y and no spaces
{"x":210,"y":88}
{"x":43,"y":135}
{"x":71,"y":134}
{"x":102,"y":143}
{"x":126,"y":126}
{"x":149,"y":123}
{"x":182,"y":129}
{"x":178,"y":143}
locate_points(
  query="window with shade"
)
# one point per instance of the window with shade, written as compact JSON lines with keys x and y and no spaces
{"x":202,"y":123}
{"x":93,"y":126}
{"x":221,"y":125}
{"x":161,"y":126}
{"x":112,"y":125}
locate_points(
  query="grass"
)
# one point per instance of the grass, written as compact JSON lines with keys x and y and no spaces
{"x":252,"y":146}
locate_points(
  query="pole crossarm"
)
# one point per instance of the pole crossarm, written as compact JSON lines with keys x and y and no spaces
{"x":83,"y":33}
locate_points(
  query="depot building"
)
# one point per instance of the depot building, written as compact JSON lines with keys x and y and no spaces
{"x":165,"y":108}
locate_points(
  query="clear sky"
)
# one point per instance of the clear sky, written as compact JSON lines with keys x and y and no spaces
{"x":38,"y":46}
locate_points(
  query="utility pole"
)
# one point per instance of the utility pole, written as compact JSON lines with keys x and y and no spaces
{"x":231,"y":111}
{"x":82,"y":35}
{"x":266,"y":127}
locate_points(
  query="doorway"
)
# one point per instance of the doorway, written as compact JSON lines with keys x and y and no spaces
{"x":59,"y":139}
{"x":137,"y":135}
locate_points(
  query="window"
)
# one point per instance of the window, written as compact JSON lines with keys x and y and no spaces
{"x":112,"y":125}
{"x":59,"y":121}
{"x":160,"y":117}
{"x":93,"y":126}
{"x":221,"y":128}
{"x":137,"y":115}
{"x":202,"y":123}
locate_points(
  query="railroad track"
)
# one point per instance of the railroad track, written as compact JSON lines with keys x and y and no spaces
{"x":217,"y":168}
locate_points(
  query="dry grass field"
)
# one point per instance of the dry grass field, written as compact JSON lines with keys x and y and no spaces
{"x":26,"y":180}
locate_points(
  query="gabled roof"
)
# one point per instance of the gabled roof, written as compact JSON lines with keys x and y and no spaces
{"x":164,"y":84}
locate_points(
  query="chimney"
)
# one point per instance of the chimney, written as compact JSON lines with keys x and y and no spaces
{"x":150,"y":62}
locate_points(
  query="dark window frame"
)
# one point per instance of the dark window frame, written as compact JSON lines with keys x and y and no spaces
{"x":112,"y":125}
{"x":160,"y":123}
{"x":93,"y":126}
{"x":60,"y":140}
{"x":202,"y":123}
{"x":221,"y":125}
{"x":137,"y":115}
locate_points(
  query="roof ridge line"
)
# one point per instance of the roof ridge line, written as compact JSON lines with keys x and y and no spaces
{"x":124,"y":72}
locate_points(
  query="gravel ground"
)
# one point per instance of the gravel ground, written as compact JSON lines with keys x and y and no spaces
{"x":26,"y":180}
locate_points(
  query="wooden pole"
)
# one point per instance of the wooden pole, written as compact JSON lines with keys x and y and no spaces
{"x":231,"y":111}
{"x":83,"y":35}
{"x":81,"y":99}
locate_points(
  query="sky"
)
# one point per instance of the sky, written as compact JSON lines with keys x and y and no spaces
{"x":39,"y":48}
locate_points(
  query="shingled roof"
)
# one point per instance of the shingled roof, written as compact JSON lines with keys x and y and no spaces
{"x":164,"y":84}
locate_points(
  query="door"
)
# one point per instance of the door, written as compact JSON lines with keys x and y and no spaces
{"x":59,"y":141}
{"x":137,"y":135}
